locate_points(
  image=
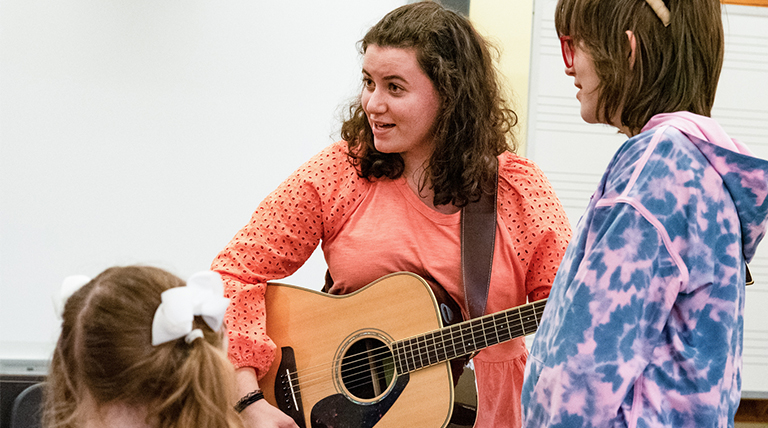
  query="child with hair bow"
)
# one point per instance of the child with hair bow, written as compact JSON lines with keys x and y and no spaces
{"x":140,"y":348}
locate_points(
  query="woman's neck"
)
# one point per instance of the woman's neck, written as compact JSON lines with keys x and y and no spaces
{"x":425,"y":193}
{"x":414,"y":171}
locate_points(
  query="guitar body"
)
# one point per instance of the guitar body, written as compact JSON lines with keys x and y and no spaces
{"x":334,"y":365}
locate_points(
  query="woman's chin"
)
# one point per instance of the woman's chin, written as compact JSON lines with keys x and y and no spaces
{"x":589,"y":117}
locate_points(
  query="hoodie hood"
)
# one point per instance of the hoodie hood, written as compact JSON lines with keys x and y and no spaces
{"x":744,"y":175}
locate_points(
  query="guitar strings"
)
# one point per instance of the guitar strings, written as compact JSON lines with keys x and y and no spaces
{"x":357,"y":368}
{"x":360,"y":375}
{"x":357,"y":371}
{"x":385,"y":350}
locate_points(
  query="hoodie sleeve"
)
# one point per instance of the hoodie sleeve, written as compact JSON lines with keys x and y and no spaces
{"x":612,"y":316}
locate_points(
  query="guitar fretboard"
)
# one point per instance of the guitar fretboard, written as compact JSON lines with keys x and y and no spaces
{"x":461,"y":339}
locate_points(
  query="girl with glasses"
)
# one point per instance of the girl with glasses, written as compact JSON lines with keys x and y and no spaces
{"x":644,"y":323}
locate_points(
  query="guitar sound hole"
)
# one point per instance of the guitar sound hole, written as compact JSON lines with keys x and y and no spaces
{"x":367,"y":368}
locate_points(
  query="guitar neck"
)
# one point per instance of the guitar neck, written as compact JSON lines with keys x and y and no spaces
{"x":461,"y":339}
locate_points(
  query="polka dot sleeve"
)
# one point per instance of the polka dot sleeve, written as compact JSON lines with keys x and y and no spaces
{"x":280,"y":236}
{"x":534,"y":216}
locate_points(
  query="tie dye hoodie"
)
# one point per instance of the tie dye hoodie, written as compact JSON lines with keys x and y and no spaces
{"x":644,"y":323}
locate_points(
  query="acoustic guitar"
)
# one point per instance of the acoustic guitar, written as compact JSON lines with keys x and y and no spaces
{"x":376,"y":357}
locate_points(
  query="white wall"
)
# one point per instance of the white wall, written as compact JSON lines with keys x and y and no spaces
{"x":147,"y":131}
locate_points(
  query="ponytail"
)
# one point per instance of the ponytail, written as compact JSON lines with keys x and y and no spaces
{"x":201,"y":391}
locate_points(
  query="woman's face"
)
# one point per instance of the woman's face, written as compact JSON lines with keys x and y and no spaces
{"x":585,"y":78}
{"x":400,"y":102}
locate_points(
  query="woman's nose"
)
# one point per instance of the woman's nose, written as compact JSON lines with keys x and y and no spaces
{"x":374,"y":102}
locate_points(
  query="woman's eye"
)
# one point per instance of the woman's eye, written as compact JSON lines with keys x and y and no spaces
{"x":394,"y":88}
{"x":368,"y":83}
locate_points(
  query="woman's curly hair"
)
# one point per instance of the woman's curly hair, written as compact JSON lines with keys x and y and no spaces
{"x":474,"y":124}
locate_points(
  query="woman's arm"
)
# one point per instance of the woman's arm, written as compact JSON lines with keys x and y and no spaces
{"x":259,"y":414}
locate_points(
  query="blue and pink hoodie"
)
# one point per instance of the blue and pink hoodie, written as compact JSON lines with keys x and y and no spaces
{"x":644,"y":323}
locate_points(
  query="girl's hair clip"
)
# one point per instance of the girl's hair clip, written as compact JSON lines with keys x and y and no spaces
{"x":193,"y":335}
{"x":661,"y":10}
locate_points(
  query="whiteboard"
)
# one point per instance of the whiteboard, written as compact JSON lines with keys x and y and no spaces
{"x":574,"y":154}
{"x":147,"y":132}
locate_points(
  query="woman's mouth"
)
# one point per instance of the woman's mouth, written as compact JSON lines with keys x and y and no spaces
{"x":382,"y":126}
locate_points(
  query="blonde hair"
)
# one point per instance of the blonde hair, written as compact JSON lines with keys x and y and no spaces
{"x":105,"y":352}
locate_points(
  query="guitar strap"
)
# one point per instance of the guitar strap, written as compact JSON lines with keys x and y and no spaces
{"x":478,"y":234}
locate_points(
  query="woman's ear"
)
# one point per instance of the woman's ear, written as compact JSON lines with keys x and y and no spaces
{"x":632,"y":48}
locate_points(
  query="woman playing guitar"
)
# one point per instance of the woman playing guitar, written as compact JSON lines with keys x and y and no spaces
{"x":422,"y":141}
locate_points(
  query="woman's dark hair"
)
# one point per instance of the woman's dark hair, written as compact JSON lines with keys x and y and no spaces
{"x":473,"y":125}
{"x":676,"y":68}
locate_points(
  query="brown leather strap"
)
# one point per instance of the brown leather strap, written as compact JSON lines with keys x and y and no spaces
{"x":450,"y":313}
{"x":478,"y":233}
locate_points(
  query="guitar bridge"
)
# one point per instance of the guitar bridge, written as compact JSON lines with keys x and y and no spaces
{"x":287,"y":392}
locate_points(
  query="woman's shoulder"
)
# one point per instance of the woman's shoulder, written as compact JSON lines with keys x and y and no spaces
{"x":331,"y":173}
{"x":529,"y":207}
{"x":331,"y":158}
{"x":525,"y":192}
{"x":520,"y":173}
{"x":328,"y":167}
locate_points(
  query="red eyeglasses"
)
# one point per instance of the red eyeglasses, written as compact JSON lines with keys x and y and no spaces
{"x":566,"y":45}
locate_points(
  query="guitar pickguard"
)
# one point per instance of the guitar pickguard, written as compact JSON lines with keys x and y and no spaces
{"x":338,"y":411}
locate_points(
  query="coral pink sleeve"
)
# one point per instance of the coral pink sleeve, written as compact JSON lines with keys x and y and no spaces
{"x":536,"y":219}
{"x":281,"y":235}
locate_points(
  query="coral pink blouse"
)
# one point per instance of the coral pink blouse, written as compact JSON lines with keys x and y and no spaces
{"x":369,"y":229}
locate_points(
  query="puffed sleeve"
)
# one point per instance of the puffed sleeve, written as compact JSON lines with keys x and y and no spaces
{"x":534,"y":216}
{"x":280,"y":236}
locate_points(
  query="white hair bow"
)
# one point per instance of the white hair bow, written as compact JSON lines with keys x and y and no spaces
{"x":69,"y":286}
{"x":203,"y":295}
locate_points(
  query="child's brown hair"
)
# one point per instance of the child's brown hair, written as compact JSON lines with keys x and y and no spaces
{"x":675,"y":67}
{"x":105,"y":355}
